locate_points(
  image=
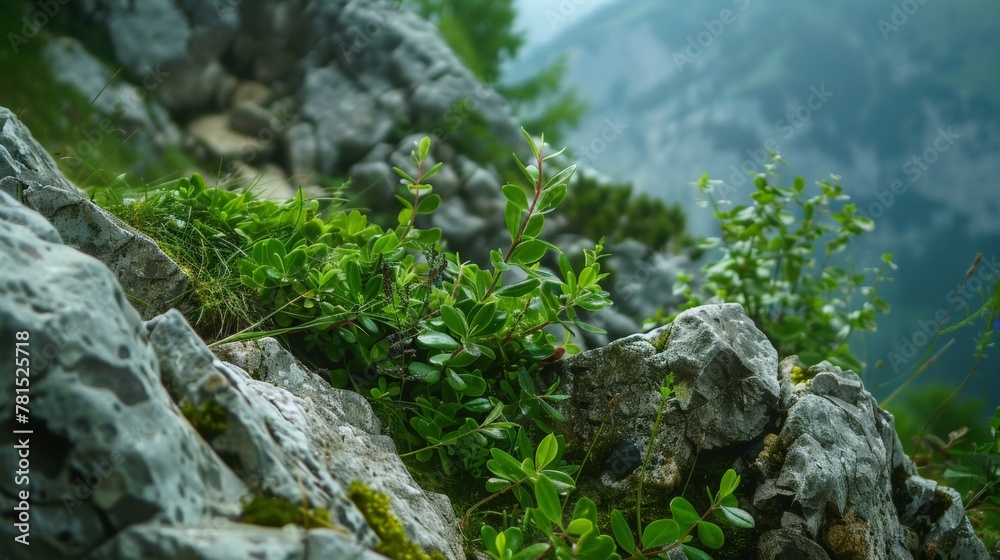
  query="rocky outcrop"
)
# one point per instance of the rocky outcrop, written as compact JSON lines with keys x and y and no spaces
{"x":116,"y":470}
{"x":152,"y":282}
{"x":824,"y":472}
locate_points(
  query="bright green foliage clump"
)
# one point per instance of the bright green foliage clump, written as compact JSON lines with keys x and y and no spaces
{"x":776,"y":261}
{"x":448,"y":347}
{"x":271,"y":511}
{"x":207,"y":231}
{"x":544,"y":510}
{"x":393,"y":542}
{"x":209,"y":419}
{"x":579,"y":534}
{"x":394,"y":317}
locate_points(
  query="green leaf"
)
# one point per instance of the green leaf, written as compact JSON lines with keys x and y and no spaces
{"x":483,"y":316}
{"x":404,"y":202}
{"x":623,"y":533}
{"x":531,"y":142}
{"x":548,"y":500}
{"x":404,"y":175}
{"x":516,"y":195}
{"x":531,"y":552}
{"x":551,"y":198}
{"x":429,"y":204}
{"x":590,"y":328}
{"x":564,"y":265}
{"x":454,"y":380}
{"x":489,"y":536}
{"x":562,"y":481}
{"x":475,"y":385}
{"x":579,"y":526}
{"x":529,"y":252}
{"x":505,"y":466}
{"x":534,"y":226}
{"x":710,"y":534}
{"x":730,"y":480}
{"x":546,"y":452}
{"x":496,"y":258}
{"x":439,"y":340}
{"x":512,"y":217}
{"x":455,"y":320}
{"x":424,"y":372}
{"x":683,"y":512}
{"x":695,"y":554}
{"x":494,"y":485}
{"x":585,"y":509}
{"x":518,"y":290}
{"x":592,"y":546}
{"x":659,"y":533}
{"x":433,"y":170}
{"x":424,"y":147}
{"x":736,"y":517}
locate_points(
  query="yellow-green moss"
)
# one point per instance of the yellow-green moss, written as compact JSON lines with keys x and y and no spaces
{"x":210,"y":419}
{"x":393,"y":541}
{"x":278,"y":512}
{"x":799,"y":375}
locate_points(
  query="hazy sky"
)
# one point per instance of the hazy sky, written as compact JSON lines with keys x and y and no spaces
{"x":543,"y":19}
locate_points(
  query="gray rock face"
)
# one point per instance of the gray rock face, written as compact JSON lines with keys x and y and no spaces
{"x":823,"y":470}
{"x":152,"y":281}
{"x":109,"y":448}
{"x":339,"y":430}
{"x":226,"y":540}
{"x":119,"y":472}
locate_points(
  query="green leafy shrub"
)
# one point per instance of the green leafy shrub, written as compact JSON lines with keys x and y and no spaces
{"x":579,"y":535}
{"x":776,"y":258}
{"x":448,"y":347}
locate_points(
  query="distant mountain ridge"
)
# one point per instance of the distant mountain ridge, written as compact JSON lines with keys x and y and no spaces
{"x":900,"y":98}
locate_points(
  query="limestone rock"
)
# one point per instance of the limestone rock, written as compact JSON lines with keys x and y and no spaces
{"x":823,"y":470}
{"x":152,"y":281}
{"x":119,"y":472}
{"x":109,"y":448}
{"x":329,"y":415}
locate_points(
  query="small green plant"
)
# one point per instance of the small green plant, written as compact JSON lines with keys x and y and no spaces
{"x":776,"y":259}
{"x":393,"y":541}
{"x":579,"y":535}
